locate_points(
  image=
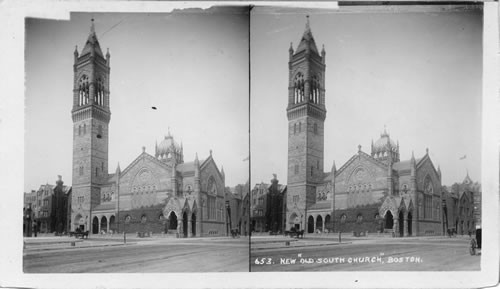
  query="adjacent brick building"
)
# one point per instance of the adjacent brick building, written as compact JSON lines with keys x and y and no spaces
{"x":462,"y":206}
{"x":371,"y":192}
{"x":45,"y":209}
{"x":267,"y":207}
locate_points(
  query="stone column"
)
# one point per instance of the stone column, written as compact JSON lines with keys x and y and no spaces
{"x":198,"y":225}
{"x":190,"y":231}
{"x":99,"y":225}
{"x":323,"y":219}
{"x":314,"y":223}
{"x":107,"y":227}
{"x":179,"y":227}
{"x":395,"y":227}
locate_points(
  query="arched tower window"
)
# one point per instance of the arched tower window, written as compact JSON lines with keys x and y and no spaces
{"x":315,"y":128}
{"x":99,"y":96}
{"x":314,"y":95}
{"x":83,"y":90}
{"x":298,"y":88}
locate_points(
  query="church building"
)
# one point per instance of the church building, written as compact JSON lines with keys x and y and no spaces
{"x":158,"y":193}
{"x":372,"y":192}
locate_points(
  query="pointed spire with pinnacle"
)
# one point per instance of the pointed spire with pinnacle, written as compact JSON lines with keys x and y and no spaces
{"x":92,"y":46}
{"x":118,"y":170}
{"x":323,"y":54}
{"x":334,"y":168}
{"x":222,"y":173}
{"x":308,"y":27}
{"x":108,"y":56}
{"x":92,"y":27}
{"x":307,"y":42}
{"x":76,"y":53}
{"x":196,"y":167}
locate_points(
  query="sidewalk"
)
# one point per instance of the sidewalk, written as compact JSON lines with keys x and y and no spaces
{"x":69,"y":243}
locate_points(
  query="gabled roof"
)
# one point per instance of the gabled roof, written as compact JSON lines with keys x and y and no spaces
{"x":422,"y":160}
{"x":149,"y":157}
{"x":207,"y":161}
{"x":366,"y":156}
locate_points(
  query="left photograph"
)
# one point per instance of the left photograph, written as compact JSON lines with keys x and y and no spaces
{"x":136,"y":142}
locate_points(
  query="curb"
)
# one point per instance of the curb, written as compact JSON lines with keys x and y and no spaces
{"x":300,"y":246}
{"x":73,"y":248}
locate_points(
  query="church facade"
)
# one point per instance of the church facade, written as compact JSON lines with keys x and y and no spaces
{"x":158,"y":193}
{"x":372,"y":192}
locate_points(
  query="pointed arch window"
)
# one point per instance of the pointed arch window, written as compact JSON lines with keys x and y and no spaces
{"x":99,"y":95}
{"x":314,"y":95}
{"x":294,"y":128}
{"x":79,"y":129}
{"x":298,"y":88}
{"x":83,"y":90}
{"x":315,"y":128}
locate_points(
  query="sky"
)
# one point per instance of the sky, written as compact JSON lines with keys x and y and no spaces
{"x":192,"y":66}
{"x":419,"y":74}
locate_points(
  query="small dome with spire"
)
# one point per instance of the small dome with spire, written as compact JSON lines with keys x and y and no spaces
{"x":169,"y":148}
{"x":385,"y":149}
{"x":382,"y":143}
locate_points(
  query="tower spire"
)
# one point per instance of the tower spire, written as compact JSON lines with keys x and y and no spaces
{"x":92,"y":27}
{"x":308,"y":27}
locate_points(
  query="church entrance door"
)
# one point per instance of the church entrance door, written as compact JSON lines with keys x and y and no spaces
{"x":401,"y":224}
{"x":389,"y":220}
{"x":104,"y":224}
{"x":185,"y":224}
{"x":193,"y":224}
{"x":319,"y":223}
{"x":310,"y":224}
{"x":172,"y":224}
{"x":95,"y":225}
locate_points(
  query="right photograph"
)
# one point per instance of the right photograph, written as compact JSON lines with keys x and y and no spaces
{"x":365,"y":127}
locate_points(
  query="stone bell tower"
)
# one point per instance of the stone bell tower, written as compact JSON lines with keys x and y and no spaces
{"x":306,"y":114}
{"x":91,"y":116}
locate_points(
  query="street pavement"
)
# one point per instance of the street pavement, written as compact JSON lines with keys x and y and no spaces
{"x":148,"y":255}
{"x":363,"y":254}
